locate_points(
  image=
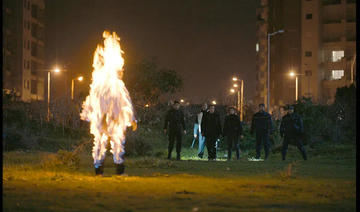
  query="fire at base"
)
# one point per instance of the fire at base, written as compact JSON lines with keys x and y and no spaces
{"x":108,"y":107}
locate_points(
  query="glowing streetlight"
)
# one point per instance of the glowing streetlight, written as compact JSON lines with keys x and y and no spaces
{"x":240,"y":95}
{"x":181,"y":100}
{"x":292,"y":74}
{"x":213,"y":102}
{"x":147,"y":105}
{"x":56,"y":70}
{"x":80,"y":78}
{"x":232,"y":90}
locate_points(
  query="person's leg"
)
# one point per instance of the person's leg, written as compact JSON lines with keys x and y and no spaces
{"x":171,"y":143}
{"x":266,"y":145}
{"x":99,"y":152}
{"x":118,"y":151}
{"x":285,"y":147}
{"x":237,"y":147}
{"x":229,"y":140}
{"x":178,"y":145}
{"x":210,"y":144}
{"x":301,"y":148}
{"x":201,"y":146}
{"x":258,"y":144}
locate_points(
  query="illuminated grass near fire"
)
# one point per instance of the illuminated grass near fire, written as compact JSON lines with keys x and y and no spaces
{"x":320,"y":184}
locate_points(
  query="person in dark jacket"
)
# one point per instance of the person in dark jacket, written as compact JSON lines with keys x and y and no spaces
{"x":291,"y":128}
{"x":232,"y":131}
{"x":211,"y":129}
{"x":175,"y":122}
{"x":262,"y":125}
{"x":197,"y":129}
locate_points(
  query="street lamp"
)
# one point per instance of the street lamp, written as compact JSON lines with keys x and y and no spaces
{"x":240,"y":95}
{"x":80,"y":78}
{"x":268,"y":83}
{"x":293,"y":74}
{"x":56,"y":70}
{"x":213,"y":102}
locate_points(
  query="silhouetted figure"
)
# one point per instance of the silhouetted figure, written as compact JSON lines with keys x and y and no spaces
{"x":175,"y":121}
{"x":262,"y":125}
{"x":211,"y":129}
{"x":232,"y":131}
{"x":291,"y":128}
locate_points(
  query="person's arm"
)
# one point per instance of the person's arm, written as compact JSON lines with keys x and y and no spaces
{"x":167,"y":119}
{"x":252,"y":125}
{"x":219,"y":124}
{"x":271,"y":126}
{"x":183,"y":122}
{"x":240,"y":127}
{"x":203,"y":125}
{"x":282,"y":127}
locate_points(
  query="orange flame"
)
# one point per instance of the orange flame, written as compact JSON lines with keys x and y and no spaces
{"x":108,"y":107}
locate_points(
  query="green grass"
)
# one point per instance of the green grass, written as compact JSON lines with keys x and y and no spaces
{"x":326,"y":182}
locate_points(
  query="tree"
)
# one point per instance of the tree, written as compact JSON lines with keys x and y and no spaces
{"x":146,"y":82}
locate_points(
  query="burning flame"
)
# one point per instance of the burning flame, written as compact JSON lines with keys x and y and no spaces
{"x":108,"y":107}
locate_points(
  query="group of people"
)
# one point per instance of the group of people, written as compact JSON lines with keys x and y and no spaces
{"x":208,"y":129}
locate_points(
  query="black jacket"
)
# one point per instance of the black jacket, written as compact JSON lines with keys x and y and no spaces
{"x":210,"y":125}
{"x":196,"y":116}
{"x":261,"y":123}
{"x":232,"y":125}
{"x":291,"y":125}
{"x":174,"y":120}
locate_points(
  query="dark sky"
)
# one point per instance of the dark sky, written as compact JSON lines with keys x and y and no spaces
{"x":205,"y":41}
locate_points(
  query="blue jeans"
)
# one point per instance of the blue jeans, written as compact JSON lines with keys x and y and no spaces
{"x":201,"y":140}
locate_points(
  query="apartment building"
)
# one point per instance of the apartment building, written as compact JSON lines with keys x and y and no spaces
{"x":23,"y":48}
{"x":318,"y":45}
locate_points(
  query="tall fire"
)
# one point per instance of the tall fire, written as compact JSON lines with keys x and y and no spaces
{"x":108,"y":107}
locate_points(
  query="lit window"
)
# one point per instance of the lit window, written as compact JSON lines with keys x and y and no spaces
{"x":337,"y":55}
{"x":337,"y":74}
{"x":257,"y":47}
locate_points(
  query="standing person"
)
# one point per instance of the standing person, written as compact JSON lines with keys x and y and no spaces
{"x":211,"y":129}
{"x":291,"y":128}
{"x":175,"y":121}
{"x":197,"y":129}
{"x":232,"y":132}
{"x":262,"y":125}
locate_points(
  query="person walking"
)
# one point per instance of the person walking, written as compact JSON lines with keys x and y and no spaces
{"x":211,"y":129}
{"x":262,"y":125}
{"x":175,"y":122}
{"x":232,"y":131}
{"x":291,"y":129}
{"x":197,"y":129}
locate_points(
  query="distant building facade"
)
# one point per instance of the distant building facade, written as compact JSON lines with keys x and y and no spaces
{"x":23,"y":48}
{"x":318,"y":45}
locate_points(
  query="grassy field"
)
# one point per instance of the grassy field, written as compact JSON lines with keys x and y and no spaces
{"x":323,"y":183}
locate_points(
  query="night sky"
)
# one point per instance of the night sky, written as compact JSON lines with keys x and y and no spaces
{"x":205,"y":41}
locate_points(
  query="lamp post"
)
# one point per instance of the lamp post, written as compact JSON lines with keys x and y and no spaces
{"x":293,"y":74}
{"x":268,"y":83}
{"x":240,"y":96}
{"x":56,"y":70}
{"x":80,"y":78}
